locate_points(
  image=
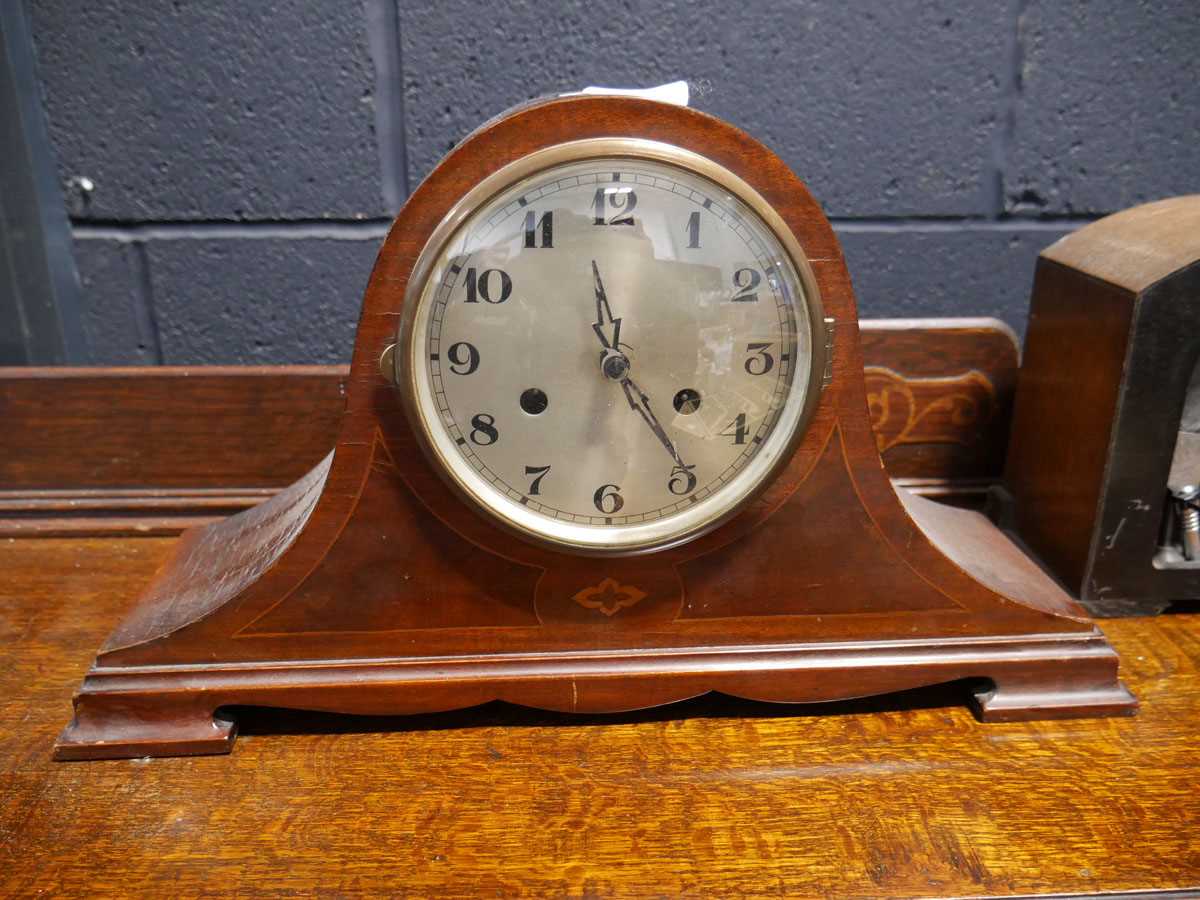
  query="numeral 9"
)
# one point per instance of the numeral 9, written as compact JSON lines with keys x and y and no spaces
{"x":465,"y":355}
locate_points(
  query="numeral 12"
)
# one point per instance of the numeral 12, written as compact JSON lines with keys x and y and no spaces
{"x":621,"y":199}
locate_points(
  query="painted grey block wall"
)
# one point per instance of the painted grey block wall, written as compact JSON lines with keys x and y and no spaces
{"x":213,"y":110}
{"x":1109,"y":111}
{"x":246,"y":158}
{"x":885,"y":108}
{"x":944,"y":270}
{"x":118,"y":327}
{"x":296,"y":299}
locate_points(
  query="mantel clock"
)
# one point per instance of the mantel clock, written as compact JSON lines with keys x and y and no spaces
{"x":605,"y":446}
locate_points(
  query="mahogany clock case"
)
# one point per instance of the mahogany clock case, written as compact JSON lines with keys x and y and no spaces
{"x":1109,"y":353}
{"x":368,"y":586}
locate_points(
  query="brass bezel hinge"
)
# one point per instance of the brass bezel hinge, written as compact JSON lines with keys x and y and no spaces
{"x":827,"y":376}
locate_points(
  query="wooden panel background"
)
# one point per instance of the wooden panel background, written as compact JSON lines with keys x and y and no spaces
{"x":153,"y":450}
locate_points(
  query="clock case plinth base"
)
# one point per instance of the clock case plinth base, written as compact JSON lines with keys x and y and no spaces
{"x":162,"y":712}
{"x":370,"y":587}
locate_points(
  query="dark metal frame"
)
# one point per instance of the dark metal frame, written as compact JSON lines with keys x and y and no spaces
{"x":41,"y":320}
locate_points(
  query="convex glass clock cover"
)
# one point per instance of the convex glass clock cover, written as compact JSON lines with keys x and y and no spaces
{"x":610,"y":345}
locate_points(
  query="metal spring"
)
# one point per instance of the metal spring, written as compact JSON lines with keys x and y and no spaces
{"x":1189,"y":529}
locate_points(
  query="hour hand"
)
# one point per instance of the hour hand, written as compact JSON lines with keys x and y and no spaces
{"x":606,"y":327}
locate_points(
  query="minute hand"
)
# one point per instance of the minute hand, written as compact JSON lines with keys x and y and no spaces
{"x":642,"y":406}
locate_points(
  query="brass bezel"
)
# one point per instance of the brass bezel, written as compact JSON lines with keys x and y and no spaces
{"x":774,"y":455}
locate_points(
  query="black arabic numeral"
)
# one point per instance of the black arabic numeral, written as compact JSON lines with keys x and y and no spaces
{"x":533,"y":225}
{"x":693,"y":230}
{"x":618,"y":199}
{"x":481,"y":286}
{"x":484,"y":426}
{"x":455,"y":354}
{"x":608,"y":499}
{"x":747,"y":280}
{"x":683,"y":480}
{"x":760,"y":361}
{"x":736,"y":429}
{"x":539,"y":472}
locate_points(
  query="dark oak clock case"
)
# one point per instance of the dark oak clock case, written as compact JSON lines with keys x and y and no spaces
{"x":1110,"y":353}
{"x":369,"y":587}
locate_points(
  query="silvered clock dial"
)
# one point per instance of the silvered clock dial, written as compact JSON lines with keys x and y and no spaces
{"x":610,"y":345}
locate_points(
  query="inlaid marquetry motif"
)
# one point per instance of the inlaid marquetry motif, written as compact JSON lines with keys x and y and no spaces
{"x":609,"y":596}
{"x":955,"y":409}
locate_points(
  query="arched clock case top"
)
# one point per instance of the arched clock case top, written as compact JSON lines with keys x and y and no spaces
{"x":372,"y":586}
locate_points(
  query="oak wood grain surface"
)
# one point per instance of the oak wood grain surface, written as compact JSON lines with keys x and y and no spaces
{"x":896,"y":797}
